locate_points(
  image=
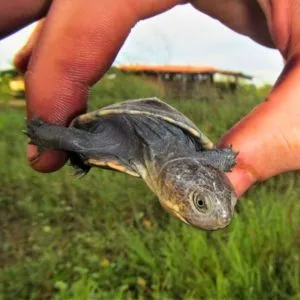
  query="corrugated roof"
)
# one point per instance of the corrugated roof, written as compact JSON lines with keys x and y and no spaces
{"x":187,"y":69}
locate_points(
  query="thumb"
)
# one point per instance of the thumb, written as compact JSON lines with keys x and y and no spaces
{"x":268,"y":138}
{"x":71,"y":56}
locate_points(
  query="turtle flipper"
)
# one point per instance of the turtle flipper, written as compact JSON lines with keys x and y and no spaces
{"x":111,"y":146}
{"x":222,"y":159}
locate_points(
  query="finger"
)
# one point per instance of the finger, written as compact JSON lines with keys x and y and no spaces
{"x":15,"y":14}
{"x":245,"y":17}
{"x":268,"y":139}
{"x":22,"y":57}
{"x":79,"y":41}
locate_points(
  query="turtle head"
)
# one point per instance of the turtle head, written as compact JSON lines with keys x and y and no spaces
{"x":198,"y":194}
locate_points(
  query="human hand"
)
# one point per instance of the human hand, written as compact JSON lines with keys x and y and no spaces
{"x":77,"y":54}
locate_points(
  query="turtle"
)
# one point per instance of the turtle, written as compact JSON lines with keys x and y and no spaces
{"x":150,"y":139}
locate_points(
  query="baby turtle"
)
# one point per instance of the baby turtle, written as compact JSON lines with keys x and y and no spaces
{"x":148,"y":138}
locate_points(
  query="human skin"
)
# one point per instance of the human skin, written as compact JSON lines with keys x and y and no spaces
{"x":268,"y":138}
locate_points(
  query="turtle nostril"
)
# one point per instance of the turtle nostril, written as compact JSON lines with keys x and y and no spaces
{"x":225,"y":217}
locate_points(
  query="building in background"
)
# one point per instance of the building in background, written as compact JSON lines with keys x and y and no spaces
{"x":185,"y":79}
{"x":179,"y":80}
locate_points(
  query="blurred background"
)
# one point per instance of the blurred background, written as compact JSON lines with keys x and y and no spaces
{"x":105,"y":236}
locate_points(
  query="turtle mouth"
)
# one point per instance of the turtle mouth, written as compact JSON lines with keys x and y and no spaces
{"x":212,"y":227}
{"x":175,"y":213}
{"x":220,"y":223}
{"x":233,"y":200}
{"x":180,"y":217}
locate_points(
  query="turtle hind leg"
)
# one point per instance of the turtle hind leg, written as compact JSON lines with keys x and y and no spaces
{"x":80,"y":168}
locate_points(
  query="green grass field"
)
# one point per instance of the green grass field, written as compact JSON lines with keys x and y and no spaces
{"x":105,"y":236}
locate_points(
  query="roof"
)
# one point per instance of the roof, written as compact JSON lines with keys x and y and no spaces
{"x":186,"y":69}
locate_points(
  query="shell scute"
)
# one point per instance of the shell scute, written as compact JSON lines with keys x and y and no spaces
{"x":150,"y":107}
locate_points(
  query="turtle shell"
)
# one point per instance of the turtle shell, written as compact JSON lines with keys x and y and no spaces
{"x":150,"y":107}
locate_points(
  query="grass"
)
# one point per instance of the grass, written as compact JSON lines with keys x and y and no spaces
{"x":106,"y":237}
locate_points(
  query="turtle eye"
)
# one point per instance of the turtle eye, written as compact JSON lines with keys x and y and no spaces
{"x":200,"y":203}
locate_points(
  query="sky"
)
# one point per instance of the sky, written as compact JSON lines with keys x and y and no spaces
{"x":182,"y":35}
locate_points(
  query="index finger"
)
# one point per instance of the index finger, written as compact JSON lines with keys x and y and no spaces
{"x":78,"y":43}
{"x":15,"y":14}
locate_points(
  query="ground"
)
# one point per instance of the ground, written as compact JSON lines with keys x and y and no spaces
{"x":105,"y":236}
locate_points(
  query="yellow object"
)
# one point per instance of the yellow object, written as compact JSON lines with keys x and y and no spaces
{"x":17,"y":87}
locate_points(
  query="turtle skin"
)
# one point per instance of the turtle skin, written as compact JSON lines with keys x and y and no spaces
{"x":150,"y":139}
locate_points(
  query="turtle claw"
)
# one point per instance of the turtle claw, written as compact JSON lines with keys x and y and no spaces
{"x":34,"y":122}
{"x":79,"y":173}
{"x":33,"y":126}
{"x":31,"y":142}
{"x":80,"y":169}
{"x":230,"y":158}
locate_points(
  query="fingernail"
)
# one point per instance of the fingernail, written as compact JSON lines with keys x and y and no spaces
{"x":32,"y":154}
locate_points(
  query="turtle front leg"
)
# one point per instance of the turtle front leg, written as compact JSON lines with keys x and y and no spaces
{"x":222,"y":159}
